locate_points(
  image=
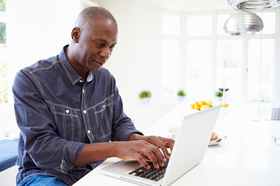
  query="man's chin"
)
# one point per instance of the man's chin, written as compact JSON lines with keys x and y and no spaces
{"x":95,"y":68}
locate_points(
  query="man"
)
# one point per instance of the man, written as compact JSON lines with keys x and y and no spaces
{"x":70,"y":113}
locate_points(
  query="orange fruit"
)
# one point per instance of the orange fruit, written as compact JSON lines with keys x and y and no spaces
{"x":202,"y":103}
{"x":197,"y":107}
{"x":196,"y":103}
{"x":226,"y":105}
{"x":192,"y":106}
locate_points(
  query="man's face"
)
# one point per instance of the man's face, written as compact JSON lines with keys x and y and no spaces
{"x":95,"y":45}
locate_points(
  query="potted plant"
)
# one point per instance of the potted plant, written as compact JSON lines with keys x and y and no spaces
{"x":145,"y":96}
{"x":219,"y":95}
{"x":181,"y":94}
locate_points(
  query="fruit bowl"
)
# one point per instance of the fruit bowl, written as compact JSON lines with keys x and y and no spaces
{"x":201,"y":105}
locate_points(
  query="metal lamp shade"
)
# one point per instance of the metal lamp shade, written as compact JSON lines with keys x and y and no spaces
{"x":242,"y":23}
{"x":254,"y":5}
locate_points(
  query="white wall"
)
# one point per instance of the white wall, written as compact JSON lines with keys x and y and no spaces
{"x":40,"y":29}
{"x":136,"y":61}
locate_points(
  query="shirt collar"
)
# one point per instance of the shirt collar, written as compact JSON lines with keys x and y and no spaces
{"x":89,"y":76}
{"x":73,"y":76}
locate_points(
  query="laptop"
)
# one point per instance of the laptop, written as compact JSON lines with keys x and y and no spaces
{"x":189,"y":149}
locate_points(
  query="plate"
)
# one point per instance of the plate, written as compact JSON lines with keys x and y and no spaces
{"x":217,"y":142}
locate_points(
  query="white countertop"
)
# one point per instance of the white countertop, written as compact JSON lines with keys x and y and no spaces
{"x":247,"y":157}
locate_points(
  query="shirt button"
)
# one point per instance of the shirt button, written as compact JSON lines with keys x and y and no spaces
{"x":85,"y":111}
{"x":83,"y":91}
{"x":67,"y":111}
{"x":103,"y":106}
{"x":88,"y":131}
{"x":81,"y":80}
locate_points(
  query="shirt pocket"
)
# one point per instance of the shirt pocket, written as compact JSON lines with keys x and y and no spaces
{"x":67,"y":122}
{"x":103,"y":116}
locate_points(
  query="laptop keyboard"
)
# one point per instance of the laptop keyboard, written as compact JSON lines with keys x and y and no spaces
{"x":152,"y":173}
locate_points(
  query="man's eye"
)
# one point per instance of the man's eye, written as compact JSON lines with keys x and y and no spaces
{"x":112,"y":47}
{"x":100,"y":44}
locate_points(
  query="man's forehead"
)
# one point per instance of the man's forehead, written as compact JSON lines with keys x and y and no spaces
{"x":104,"y":34}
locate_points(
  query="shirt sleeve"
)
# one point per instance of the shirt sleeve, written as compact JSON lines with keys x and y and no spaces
{"x":42,"y":145}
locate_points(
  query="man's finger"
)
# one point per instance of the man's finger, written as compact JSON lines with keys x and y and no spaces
{"x":169,"y":143}
{"x":142,"y":161}
{"x":160,"y":142}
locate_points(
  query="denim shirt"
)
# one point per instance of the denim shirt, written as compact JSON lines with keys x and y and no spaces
{"x":58,"y":113}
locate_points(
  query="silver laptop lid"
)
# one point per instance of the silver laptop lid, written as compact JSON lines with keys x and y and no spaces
{"x":190,"y":147}
{"x":191,"y":143}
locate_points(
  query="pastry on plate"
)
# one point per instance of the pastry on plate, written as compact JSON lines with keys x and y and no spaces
{"x":214,"y":137}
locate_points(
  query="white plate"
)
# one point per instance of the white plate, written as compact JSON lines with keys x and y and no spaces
{"x":218,"y":142}
{"x":215,"y":143}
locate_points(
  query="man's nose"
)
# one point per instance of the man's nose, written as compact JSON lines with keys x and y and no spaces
{"x":105,"y":52}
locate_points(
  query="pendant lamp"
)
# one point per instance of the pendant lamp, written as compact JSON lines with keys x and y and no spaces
{"x":243,"y":23}
{"x":254,"y":5}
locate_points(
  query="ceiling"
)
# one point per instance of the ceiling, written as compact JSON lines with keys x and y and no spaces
{"x":189,"y":5}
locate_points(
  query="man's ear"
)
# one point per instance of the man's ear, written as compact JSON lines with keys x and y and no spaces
{"x":75,"y":34}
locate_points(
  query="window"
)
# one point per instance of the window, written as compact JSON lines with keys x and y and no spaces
{"x":221,"y":19}
{"x":211,"y":58}
{"x":229,"y":56}
{"x":170,"y":68}
{"x":199,"y":25}
{"x":4,"y":66}
{"x":198,"y":68}
{"x":198,"y":56}
{"x":2,"y":5}
{"x":170,"y":25}
{"x":269,"y":22}
{"x":260,"y":69}
{"x":170,"y":55}
{"x":3,"y":54}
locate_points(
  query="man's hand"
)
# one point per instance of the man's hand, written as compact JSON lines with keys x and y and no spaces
{"x":137,"y":147}
{"x":150,"y":147}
